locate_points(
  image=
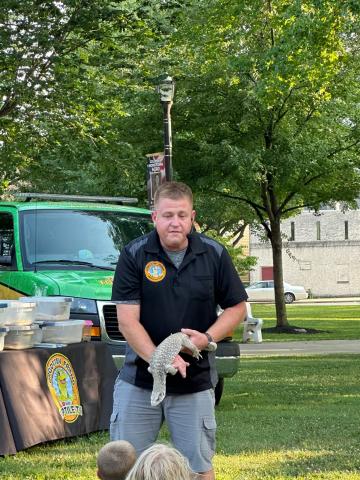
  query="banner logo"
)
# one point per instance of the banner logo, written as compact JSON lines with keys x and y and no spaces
{"x":63,"y":387}
{"x":155,"y":271}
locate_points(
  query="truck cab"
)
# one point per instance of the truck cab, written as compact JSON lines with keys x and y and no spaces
{"x":69,"y":246}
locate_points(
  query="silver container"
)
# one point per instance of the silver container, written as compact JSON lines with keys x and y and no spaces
{"x":56,"y":309}
{"x":3,"y":332}
{"x":3,"y":314}
{"x":19,"y":313}
{"x":19,"y":337}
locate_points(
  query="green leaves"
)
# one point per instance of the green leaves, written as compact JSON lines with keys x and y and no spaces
{"x":70,"y":73}
{"x":263,"y":90}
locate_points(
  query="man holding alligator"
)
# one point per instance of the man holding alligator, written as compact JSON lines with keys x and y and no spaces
{"x":168,"y":281}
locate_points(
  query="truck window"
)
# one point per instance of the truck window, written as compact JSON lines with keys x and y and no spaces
{"x":52,"y":238}
{"x":7,"y":248}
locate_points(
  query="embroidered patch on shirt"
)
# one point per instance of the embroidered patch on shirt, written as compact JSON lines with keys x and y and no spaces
{"x":155,"y":271}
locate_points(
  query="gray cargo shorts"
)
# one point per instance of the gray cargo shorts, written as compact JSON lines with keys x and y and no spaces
{"x":189,"y":417}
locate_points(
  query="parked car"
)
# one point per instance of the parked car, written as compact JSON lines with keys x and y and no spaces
{"x":55,"y":245}
{"x":263,"y":291}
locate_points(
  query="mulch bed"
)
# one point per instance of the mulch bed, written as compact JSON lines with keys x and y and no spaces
{"x":292,"y":329}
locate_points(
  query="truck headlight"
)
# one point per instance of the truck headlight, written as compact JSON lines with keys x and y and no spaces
{"x":83,"y":305}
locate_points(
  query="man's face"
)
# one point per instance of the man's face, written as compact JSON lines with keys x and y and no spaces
{"x":173,"y":221}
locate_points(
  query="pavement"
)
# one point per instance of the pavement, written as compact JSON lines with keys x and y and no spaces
{"x":329,"y":301}
{"x":316,"y":347}
{"x":319,"y":347}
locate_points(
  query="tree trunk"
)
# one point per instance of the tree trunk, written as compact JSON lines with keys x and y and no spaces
{"x":276,"y":244}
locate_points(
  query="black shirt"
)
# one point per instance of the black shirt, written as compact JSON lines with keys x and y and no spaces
{"x":171,"y":299}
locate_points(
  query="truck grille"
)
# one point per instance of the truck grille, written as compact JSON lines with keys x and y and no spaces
{"x":111,"y":323}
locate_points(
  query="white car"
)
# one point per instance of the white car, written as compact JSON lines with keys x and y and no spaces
{"x":263,"y":291}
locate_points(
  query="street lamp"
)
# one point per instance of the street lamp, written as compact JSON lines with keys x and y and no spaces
{"x":166,"y":89}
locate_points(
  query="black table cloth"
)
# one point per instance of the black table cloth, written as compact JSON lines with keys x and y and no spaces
{"x":48,"y":394}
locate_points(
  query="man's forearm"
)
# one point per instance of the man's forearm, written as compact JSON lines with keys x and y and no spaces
{"x":227,"y":322}
{"x":134,"y":333}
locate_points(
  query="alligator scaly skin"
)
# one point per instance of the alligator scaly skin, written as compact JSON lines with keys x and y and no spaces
{"x":161,"y":362}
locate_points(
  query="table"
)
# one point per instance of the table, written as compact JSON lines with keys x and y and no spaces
{"x":49,"y":394}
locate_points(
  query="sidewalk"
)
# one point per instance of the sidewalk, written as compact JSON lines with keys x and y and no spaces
{"x":329,"y":301}
{"x":320,"y":347}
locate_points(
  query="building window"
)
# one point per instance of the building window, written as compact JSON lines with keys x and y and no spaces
{"x":318,"y":231}
{"x":292,"y":231}
{"x":346,"y":225}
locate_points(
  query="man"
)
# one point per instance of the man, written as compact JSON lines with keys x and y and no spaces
{"x":172,"y":280}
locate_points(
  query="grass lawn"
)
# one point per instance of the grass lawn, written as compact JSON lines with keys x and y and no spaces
{"x":341,"y":322}
{"x":280,"y":418}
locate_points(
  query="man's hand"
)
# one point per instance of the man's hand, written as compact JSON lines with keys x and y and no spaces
{"x":180,"y":365}
{"x":199,"y":339}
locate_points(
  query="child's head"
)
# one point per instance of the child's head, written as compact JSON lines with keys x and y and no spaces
{"x":161,"y":462}
{"x":115,"y":459}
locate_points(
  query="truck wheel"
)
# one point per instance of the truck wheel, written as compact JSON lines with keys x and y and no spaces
{"x":219,"y":390}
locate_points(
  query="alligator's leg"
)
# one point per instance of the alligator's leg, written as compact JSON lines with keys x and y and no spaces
{"x":194,"y":350}
{"x":170,"y":369}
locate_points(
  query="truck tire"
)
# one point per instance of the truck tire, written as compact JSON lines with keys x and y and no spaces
{"x":219,"y":390}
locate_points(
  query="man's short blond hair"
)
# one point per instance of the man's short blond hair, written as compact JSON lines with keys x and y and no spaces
{"x":115,"y":459}
{"x":161,"y":462}
{"x":174,"y":191}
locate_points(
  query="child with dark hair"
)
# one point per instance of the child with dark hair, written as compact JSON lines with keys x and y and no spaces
{"x":115,"y":459}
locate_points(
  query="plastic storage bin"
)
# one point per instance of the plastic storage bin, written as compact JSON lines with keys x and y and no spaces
{"x":55,"y":309}
{"x":3,"y":332}
{"x":38,"y":334}
{"x":86,"y":337}
{"x":19,"y":313}
{"x":19,"y":337}
{"x":3,"y":307}
{"x":70,"y":331}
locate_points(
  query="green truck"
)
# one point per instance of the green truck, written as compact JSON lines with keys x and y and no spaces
{"x":69,"y":246}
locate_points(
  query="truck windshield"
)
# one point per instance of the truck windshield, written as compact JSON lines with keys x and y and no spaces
{"x":74,"y":239}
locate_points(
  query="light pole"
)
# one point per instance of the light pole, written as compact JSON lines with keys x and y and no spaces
{"x":166,"y":89}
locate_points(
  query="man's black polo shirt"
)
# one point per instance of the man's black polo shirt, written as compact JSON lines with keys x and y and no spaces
{"x":172,"y":299}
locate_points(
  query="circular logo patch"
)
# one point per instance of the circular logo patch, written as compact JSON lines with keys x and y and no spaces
{"x":155,"y":271}
{"x":63,"y":387}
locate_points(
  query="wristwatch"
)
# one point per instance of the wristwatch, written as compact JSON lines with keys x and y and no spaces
{"x":211,"y":346}
{"x":209,"y":337}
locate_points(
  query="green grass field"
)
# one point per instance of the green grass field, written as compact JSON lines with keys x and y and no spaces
{"x":280,"y":418}
{"x":340,"y":322}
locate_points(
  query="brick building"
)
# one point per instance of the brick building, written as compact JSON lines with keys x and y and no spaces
{"x":320,"y":251}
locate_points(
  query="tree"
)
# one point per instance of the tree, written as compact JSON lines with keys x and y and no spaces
{"x":268,"y":112}
{"x":67,"y":78}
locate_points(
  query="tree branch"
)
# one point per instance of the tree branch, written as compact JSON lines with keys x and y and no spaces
{"x":8,"y":106}
{"x":258,"y":208}
{"x":343,"y":149}
{"x":293,"y":193}
{"x":298,"y":207}
{"x":240,"y":233}
{"x":307,"y":118}
{"x":242,"y":199}
{"x":272,"y":36}
{"x":280,"y":113}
